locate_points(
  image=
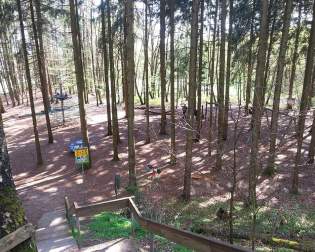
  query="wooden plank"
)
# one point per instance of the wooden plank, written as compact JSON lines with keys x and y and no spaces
{"x":185,"y":238}
{"x":92,"y":209}
{"x":188,"y":239}
{"x":17,"y":237}
{"x":67,"y":207}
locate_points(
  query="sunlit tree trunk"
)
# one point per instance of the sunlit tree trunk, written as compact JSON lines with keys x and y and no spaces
{"x":212,"y":68}
{"x":250,"y":61}
{"x":29,"y":83}
{"x":221,"y":88}
{"x":278,"y":85}
{"x":162,"y":66}
{"x":172,"y":80}
{"x":146,"y":70}
{"x":191,"y":98}
{"x":112,"y":84}
{"x":37,"y":32}
{"x":295,"y":57}
{"x":105,"y":56}
{"x":78,"y":71}
{"x":307,"y":85}
{"x":200,"y":72}
{"x":228,"y":73}
{"x":129,"y":12}
{"x":257,"y":113}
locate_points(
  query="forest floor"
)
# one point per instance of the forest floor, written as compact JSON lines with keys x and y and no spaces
{"x":42,"y":189}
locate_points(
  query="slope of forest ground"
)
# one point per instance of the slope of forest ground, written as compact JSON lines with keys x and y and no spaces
{"x":43,"y":189}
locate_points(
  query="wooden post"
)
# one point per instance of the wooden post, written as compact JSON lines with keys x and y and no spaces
{"x":77,"y":225}
{"x":67,"y":206}
{"x":151,"y":242}
{"x":132,"y":225}
{"x":206,"y":110}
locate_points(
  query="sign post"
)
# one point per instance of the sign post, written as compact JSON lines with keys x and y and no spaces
{"x":82,"y":158}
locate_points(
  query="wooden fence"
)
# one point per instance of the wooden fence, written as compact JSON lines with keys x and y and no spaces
{"x":15,"y":238}
{"x":185,"y":238}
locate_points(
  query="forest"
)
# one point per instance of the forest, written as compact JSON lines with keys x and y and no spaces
{"x":157,"y":125}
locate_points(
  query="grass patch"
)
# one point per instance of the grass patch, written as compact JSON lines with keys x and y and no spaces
{"x":293,"y":223}
{"x":113,"y":225}
{"x":163,"y":244}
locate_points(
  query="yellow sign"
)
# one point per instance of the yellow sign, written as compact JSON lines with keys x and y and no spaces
{"x":81,"y":155}
{"x":82,"y":152}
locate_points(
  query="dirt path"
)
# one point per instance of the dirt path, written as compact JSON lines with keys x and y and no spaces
{"x":43,"y":189}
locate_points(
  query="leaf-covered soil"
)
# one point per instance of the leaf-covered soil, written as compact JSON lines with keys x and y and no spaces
{"x":42,"y":189}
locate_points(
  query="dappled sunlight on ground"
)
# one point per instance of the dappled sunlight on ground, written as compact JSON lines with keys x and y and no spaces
{"x":42,"y":189}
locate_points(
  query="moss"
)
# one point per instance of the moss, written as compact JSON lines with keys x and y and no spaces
{"x":12,"y":217}
{"x":13,"y":213}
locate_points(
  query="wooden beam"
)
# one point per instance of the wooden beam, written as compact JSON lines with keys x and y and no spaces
{"x":17,"y":237}
{"x":92,"y":209}
{"x":185,"y":238}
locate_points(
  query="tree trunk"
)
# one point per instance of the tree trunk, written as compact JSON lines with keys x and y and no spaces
{"x":257,"y":113}
{"x":12,"y":215}
{"x":112,"y":84}
{"x":278,"y":85}
{"x":4,"y":64}
{"x":162,"y":67}
{"x":146,"y":70}
{"x":172,"y":81}
{"x":29,"y":83}
{"x":199,"y":115}
{"x":250,"y":61}
{"x":191,"y":98}
{"x":304,"y":105}
{"x":3,"y":89}
{"x":92,"y":59}
{"x":228,"y":74}
{"x":258,"y":101}
{"x":37,"y":32}
{"x":311,"y":149}
{"x":130,"y":70}
{"x":295,"y":58}
{"x":105,"y":55}
{"x":10,"y":67}
{"x":221,"y":88}
{"x":272,"y":39}
{"x":212,"y":68}
{"x":78,"y":71}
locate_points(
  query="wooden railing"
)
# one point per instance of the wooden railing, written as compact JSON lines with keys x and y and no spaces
{"x":15,"y":238}
{"x":185,"y":238}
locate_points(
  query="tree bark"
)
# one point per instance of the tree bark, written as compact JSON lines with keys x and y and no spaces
{"x":12,"y":215}
{"x":146,"y":70}
{"x":258,"y":102}
{"x":257,"y":113}
{"x":212,"y":68}
{"x":278,"y":85}
{"x":112,"y":84}
{"x":78,"y":71}
{"x":250,"y":60}
{"x":200,"y":68}
{"x":228,"y":74}
{"x":191,"y":98}
{"x":29,"y":83}
{"x":162,"y":67}
{"x":37,"y":32}
{"x":220,"y":139}
{"x":295,"y":57}
{"x":105,"y":56}
{"x":130,"y":70}
{"x":172,"y":81}
{"x":304,"y":105}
